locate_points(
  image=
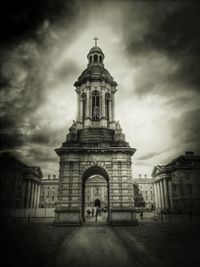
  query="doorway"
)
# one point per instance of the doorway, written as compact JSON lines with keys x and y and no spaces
{"x":95,"y":197}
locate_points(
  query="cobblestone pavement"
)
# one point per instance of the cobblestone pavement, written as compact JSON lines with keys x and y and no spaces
{"x":97,"y":244}
{"x":150,"y":244}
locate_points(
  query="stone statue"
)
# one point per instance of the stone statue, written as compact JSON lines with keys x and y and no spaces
{"x":118,"y":127}
{"x":96,"y":112}
{"x":73,"y":128}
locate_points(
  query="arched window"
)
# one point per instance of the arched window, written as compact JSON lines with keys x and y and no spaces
{"x":107,"y":100}
{"x":100,"y":59}
{"x":90,"y":59}
{"x":95,"y":58}
{"x":95,"y":106}
{"x":84,"y":105}
{"x":119,"y":164}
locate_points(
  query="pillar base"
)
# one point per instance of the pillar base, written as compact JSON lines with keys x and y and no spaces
{"x":123,"y":217}
{"x":66,"y":216}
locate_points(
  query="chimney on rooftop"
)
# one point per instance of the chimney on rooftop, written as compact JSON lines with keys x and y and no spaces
{"x":49,"y":177}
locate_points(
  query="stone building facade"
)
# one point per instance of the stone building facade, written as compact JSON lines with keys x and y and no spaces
{"x":147,"y":189}
{"x":95,"y":145}
{"x":19,"y":183}
{"x":96,"y":192}
{"x":49,"y":192}
{"x":177,"y":184}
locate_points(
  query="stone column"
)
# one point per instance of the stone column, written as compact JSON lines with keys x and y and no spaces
{"x":81,"y":110}
{"x":113,"y":106}
{"x":23,"y":194}
{"x":27,"y":194}
{"x":38,"y":195}
{"x":103,"y":103}
{"x":78,"y":107}
{"x":158,"y":193}
{"x":165,"y":193}
{"x":161,"y":194}
{"x":110,"y":110}
{"x":32,"y":194}
{"x":35,"y":195}
{"x":170,"y":195}
{"x":29,"y":198}
{"x":155,"y":194}
{"x":88,"y":103}
{"x":36,"y":192}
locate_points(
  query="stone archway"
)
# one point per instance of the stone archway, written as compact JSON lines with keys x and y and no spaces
{"x":94,"y":170}
{"x":97,"y":203}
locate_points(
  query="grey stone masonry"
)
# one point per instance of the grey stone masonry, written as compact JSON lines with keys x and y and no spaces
{"x":95,"y":145}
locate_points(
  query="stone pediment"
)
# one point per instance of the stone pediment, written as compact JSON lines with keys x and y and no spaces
{"x":96,"y":180}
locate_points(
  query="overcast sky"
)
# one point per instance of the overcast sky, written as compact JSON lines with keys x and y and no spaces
{"x":152,"y":49}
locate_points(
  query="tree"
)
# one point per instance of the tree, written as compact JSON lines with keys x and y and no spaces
{"x":138,"y":197}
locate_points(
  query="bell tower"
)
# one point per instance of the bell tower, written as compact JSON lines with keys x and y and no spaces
{"x":95,"y":145}
{"x":95,"y":90}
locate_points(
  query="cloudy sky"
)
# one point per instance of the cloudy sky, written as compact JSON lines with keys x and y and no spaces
{"x":152,"y":49}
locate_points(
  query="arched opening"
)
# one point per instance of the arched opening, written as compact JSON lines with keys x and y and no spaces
{"x":90,"y":59}
{"x":95,"y":105}
{"x":100,"y":59}
{"x":84,"y":99}
{"x":107,"y":100}
{"x":97,"y":203}
{"x":95,"y":58}
{"x":95,"y":195}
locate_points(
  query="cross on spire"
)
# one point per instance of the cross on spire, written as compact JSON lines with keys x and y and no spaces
{"x":95,"y":39}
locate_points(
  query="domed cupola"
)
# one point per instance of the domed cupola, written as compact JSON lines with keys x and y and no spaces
{"x":95,"y":56}
{"x":96,"y":89}
{"x":95,"y":69}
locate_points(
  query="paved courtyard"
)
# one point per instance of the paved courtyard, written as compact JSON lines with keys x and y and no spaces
{"x":96,"y":244}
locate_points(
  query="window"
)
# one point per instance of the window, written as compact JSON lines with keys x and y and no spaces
{"x":107,"y":100}
{"x":100,"y":59}
{"x":90,"y":59}
{"x":97,"y":190}
{"x":71,"y":165}
{"x":95,"y":106}
{"x":190,"y":189}
{"x":95,"y":58}
{"x":188,"y":177}
{"x":119,"y":164}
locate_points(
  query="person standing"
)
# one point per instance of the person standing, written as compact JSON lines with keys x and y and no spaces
{"x":92,"y":212}
{"x":96,"y":214}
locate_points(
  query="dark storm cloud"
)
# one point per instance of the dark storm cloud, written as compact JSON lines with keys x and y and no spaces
{"x":69,"y":68}
{"x":173,"y":31}
{"x":148,"y":156}
{"x":20,"y":20}
{"x":30,"y":31}
{"x":10,"y":140}
{"x":187,"y":130}
{"x":43,"y":155}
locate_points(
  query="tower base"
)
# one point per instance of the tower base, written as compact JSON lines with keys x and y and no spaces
{"x":65,"y":216}
{"x":123,"y":217}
